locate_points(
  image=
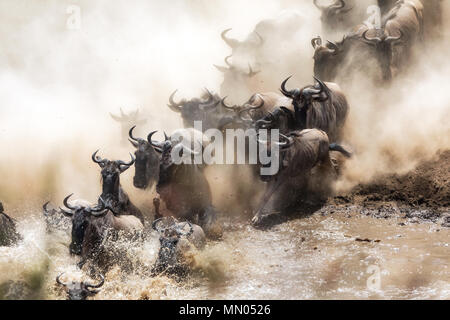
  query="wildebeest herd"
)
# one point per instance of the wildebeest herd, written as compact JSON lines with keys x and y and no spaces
{"x":310,"y":120}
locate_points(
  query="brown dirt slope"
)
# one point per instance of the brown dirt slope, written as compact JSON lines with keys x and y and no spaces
{"x":427,"y":185}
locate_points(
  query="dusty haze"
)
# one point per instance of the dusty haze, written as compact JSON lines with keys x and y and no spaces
{"x":57,"y":86}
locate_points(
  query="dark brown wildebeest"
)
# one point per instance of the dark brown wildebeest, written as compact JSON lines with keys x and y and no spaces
{"x":80,"y":290}
{"x":147,"y":161}
{"x":402,"y":28}
{"x":322,"y":106}
{"x":175,"y":240}
{"x":112,"y":193}
{"x":182,"y":184}
{"x":302,"y":152}
{"x":8,"y":233}
{"x":93,"y":226}
{"x":208,"y":110}
{"x":128,"y":120}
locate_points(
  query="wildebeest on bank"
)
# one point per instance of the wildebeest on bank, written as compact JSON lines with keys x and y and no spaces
{"x":302,"y":155}
{"x":8,"y":233}
{"x":322,"y":106}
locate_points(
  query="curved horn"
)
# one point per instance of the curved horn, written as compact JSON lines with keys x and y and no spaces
{"x":339,"y":5}
{"x":150,"y":135}
{"x":44,"y":207}
{"x":390,"y":39}
{"x":66,"y":203}
{"x":126,"y":164}
{"x":225,"y":105}
{"x":332,"y":47}
{"x":174,"y":106}
{"x":98,"y":160}
{"x":66,"y":213}
{"x":155,"y":224}
{"x":130,"y":134}
{"x":288,"y":93}
{"x":96,"y":286}
{"x":287,"y":144}
{"x":58,"y":280}
{"x":98,"y":208}
{"x":232,"y":43}
{"x":117,"y":118}
{"x":317,"y":41}
{"x":319,"y":6}
{"x":374,"y":40}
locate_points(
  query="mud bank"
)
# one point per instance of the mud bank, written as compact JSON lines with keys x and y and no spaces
{"x":422,"y":194}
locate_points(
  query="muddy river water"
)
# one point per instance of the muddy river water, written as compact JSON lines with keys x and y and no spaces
{"x":323,"y":256}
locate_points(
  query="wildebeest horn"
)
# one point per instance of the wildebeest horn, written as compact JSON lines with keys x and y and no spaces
{"x":174,"y":106}
{"x":166,"y":137}
{"x":225,"y":105}
{"x":58,"y":280}
{"x":181,"y":146}
{"x":339,"y":5}
{"x":393,"y":39}
{"x":117,"y":118}
{"x":227,"y":62}
{"x":126,"y":165}
{"x":332,"y":47}
{"x":287,"y":144}
{"x":374,"y":40}
{"x":233,"y":43}
{"x":96,"y":286}
{"x":66,"y":202}
{"x":317,"y":41}
{"x":130,"y":134}
{"x":99,"y":208}
{"x":150,"y":135}
{"x":44,"y":208}
{"x":320,"y":7}
{"x":288,"y":93}
{"x":98,"y":160}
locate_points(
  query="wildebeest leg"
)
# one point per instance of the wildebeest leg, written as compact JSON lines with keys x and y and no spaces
{"x":157,"y":204}
{"x":207,"y":219}
{"x":261,"y":213}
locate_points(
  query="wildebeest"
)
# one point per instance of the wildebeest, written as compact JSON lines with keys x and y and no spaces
{"x":301,"y":152}
{"x":8,"y":233}
{"x":322,"y":106}
{"x":335,"y":17}
{"x":237,"y":83}
{"x":80,"y":290}
{"x":128,"y":120}
{"x":208,"y":110}
{"x":93,"y":226}
{"x":182,"y":184}
{"x":341,"y":61}
{"x":147,"y":161}
{"x":175,"y":240}
{"x":112,"y":192}
{"x":402,"y":28}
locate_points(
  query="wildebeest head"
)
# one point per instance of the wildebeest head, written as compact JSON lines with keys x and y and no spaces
{"x":279,"y":148}
{"x":383,"y":44}
{"x":302,"y":99}
{"x":80,"y":290}
{"x":328,"y":57}
{"x":333,"y":15}
{"x":196,"y":109}
{"x":111,"y":171}
{"x":147,"y":161}
{"x":170,"y":231}
{"x":168,"y":166}
{"x":243,"y":113}
{"x":235,"y":44}
{"x":127,"y":120}
{"x":80,"y":216}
